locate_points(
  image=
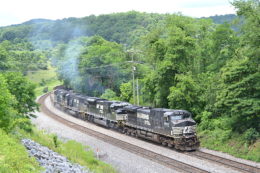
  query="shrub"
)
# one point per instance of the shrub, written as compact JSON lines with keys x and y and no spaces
{"x":251,"y":135}
{"x":43,"y":82}
{"x":7,"y":102}
{"x":45,"y":90}
{"x":109,"y":94}
{"x":55,"y":141}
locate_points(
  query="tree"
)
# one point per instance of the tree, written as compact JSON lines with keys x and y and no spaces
{"x":126,"y":91}
{"x":3,"y":59}
{"x":239,"y":95}
{"x":186,"y":94}
{"x":23,"y":91}
{"x":21,"y":57}
{"x":223,"y":46}
{"x":7,"y":102}
{"x":250,"y":10}
{"x":171,"y":50}
{"x":109,"y":95}
{"x":91,"y":65}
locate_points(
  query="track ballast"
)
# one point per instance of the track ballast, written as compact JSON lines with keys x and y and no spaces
{"x":163,"y":160}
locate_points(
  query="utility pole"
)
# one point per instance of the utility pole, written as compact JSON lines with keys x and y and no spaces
{"x":133,"y":70}
{"x":136,"y":99}
{"x":137,"y":91}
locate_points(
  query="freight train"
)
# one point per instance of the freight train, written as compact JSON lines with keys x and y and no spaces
{"x":173,"y":128}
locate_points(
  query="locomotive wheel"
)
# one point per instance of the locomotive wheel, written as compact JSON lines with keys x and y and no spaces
{"x":133,"y":134}
{"x":124,"y":131}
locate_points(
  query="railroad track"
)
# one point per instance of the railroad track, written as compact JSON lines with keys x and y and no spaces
{"x":241,"y":167}
{"x":163,"y":160}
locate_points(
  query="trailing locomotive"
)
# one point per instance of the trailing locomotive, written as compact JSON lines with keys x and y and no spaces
{"x":174,"y":128}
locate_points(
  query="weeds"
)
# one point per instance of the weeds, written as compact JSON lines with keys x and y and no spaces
{"x":234,"y":144}
{"x":14,"y":157}
{"x":73,"y":150}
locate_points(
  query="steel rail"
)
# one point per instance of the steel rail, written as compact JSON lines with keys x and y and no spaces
{"x":241,"y":167}
{"x":163,"y":160}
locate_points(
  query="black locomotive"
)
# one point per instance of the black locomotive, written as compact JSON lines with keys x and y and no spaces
{"x":174,"y":128}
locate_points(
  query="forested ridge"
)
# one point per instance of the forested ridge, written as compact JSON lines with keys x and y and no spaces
{"x":179,"y":62}
{"x":122,"y":28}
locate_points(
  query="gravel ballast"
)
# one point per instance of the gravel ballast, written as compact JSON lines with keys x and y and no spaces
{"x":50,"y":160}
{"x":124,"y":161}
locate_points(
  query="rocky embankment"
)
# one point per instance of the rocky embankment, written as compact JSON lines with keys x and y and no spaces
{"x":50,"y":160}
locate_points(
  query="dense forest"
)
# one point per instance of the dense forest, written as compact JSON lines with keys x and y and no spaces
{"x":202,"y":65}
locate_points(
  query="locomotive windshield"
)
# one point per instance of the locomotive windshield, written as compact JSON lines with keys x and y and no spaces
{"x":178,"y":117}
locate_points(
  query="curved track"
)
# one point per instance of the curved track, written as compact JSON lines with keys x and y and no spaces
{"x":163,"y":160}
{"x":241,"y":167}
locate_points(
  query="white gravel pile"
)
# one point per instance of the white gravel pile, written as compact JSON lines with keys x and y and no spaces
{"x":50,"y":160}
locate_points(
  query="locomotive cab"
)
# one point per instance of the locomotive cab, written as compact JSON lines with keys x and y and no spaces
{"x":117,"y":109}
{"x":181,"y":123}
{"x":183,"y":128}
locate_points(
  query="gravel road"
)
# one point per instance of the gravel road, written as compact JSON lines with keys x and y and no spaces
{"x":122,"y":160}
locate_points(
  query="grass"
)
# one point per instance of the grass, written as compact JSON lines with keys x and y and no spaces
{"x":74,"y":151}
{"x":45,"y":80}
{"x":14,"y":157}
{"x":234,"y":145}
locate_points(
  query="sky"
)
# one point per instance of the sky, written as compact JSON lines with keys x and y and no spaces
{"x":18,"y":11}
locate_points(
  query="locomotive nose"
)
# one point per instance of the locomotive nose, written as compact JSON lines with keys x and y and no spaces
{"x":184,"y":124}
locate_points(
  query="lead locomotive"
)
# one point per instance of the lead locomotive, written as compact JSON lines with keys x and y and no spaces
{"x":174,"y":128}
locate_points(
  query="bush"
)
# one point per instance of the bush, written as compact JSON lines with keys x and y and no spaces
{"x":55,"y":141}
{"x":43,"y":82}
{"x":7,"y":102}
{"x":206,"y":121}
{"x":109,"y":95}
{"x":251,"y":135}
{"x":45,"y":90}
{"x":229,"y":142}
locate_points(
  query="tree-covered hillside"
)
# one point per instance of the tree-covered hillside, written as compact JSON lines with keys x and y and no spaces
{"x":122,"y":28}
{"x":221,"y":19}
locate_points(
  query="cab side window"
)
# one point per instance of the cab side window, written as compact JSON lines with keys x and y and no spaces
{"x":166,"y":119}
